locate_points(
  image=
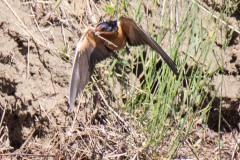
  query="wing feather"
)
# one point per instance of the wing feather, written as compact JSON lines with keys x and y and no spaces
{"x":87,"y":54}
{"x":136,"y":36}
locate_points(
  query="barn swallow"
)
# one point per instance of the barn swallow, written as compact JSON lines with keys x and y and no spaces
{"x":101,"y":42}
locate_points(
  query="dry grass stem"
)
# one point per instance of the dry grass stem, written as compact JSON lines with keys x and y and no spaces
{"x":135,"y":108}
{"x":213,"y":15}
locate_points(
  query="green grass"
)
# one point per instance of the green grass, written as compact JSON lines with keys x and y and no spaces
{"x":169,"y":114}
{"x":165,"y":113}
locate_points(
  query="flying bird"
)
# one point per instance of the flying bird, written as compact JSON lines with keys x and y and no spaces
{"x":101,"y":42}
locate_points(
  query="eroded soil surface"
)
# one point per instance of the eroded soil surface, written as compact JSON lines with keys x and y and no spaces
{"x":34,"y":81}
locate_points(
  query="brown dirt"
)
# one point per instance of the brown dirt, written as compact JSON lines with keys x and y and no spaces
{"x":34,"y":81}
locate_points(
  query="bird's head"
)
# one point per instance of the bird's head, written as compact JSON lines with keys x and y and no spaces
{"x":110,"y":26}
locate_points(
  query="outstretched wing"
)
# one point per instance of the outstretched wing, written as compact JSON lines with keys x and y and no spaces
{"x":136,"y":36}
{"x":89,"y":51}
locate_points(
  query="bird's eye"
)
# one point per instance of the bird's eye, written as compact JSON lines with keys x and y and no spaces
{"x":104,"y":28}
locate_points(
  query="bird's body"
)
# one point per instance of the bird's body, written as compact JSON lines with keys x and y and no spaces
{"x":100,"y":43}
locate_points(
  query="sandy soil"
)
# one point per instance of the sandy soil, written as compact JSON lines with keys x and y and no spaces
{"x":34,"y":81}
